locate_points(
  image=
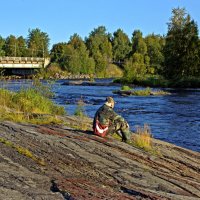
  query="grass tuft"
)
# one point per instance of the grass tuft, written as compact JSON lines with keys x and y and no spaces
{"x":80,"y":110}
{"x":143,"y":138}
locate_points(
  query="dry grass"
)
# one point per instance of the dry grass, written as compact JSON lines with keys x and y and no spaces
{"x":143,"y":138}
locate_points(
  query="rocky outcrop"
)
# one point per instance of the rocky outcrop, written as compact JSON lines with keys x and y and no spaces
{"x":59,"y":162}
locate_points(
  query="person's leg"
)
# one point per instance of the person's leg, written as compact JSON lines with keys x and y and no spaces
{"x":111,"y":129}
{"x":122,"y":129}
{"x":126,"y":134}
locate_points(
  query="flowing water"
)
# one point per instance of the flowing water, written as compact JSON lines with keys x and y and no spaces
{"x":173,"y":118}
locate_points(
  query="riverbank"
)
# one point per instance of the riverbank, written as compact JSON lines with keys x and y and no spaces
{"x":155,"y":81}
{"x":159,"y":81}
{"x":173,"y":118}
{"x":65,"y":162}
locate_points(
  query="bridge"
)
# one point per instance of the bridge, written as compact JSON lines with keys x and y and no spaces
{"x":22,"y":65}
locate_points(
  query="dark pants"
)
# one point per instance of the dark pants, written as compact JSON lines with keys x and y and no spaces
{"x":120,"y":126}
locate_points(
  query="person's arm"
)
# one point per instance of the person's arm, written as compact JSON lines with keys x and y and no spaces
{"x":114,"y":116}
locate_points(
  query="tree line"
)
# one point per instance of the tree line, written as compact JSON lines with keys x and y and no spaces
{"x":174,"y":56}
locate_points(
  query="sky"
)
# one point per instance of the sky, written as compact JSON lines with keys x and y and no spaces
{"x":60,"y":19}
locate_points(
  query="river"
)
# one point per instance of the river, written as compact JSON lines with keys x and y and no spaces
{"x":173,"y":118}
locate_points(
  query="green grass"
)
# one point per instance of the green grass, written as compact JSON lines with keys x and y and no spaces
{"x":28,"y":105}
{"x":126,"y":90}
{"x":145,"y":92}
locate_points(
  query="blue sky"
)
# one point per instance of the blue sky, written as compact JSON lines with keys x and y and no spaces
{"x":60,"y":19}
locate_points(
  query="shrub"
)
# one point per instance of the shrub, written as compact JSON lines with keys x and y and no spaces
{"x":126,"y":88}
{"x":113,"y":70}
{"x":30,"y":101}
{"x":189,"y":82}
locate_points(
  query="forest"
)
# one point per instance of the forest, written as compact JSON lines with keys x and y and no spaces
{"x":154,"y":59}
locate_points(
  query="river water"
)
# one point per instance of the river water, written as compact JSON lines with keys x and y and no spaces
{"x":173,"y":118}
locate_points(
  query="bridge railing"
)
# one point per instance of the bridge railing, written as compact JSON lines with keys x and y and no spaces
{"x":19,"y":59}
{"x":23,"y":62}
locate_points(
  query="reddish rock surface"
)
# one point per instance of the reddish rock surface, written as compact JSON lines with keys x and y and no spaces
{"x":59,"y":162}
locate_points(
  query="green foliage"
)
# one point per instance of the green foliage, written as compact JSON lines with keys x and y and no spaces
{"x":136,"y":64}
{"x":121,"y":45}
{"x":155,"y":44}
{"x":138,"y":43}
{"x":188,"y":82}
{"x":15,"y":47}
{"x":11,"y":46}
{"x":159,"y":81}
{"x":57,"y":52}
{"x":100,"y":49}
{"x":31,"y":101}
{"x":2,"y":43}
{"x":127,"y":91}
{"x":152,"y":81}
{"x":73,"y":56}
{"x":81,"y":62}
{"x":145,"y":92}
{"x":182,"y":49}
{"x":126,"y":88}
{"x":176,"y":56}
{"x":135,"y":67}
{"x":148,"y":91}
{"x":38,"y":43}
{"x":21,"y":47}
